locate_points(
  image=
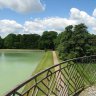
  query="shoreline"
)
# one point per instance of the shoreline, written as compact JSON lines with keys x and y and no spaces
{"x":21,"y":50}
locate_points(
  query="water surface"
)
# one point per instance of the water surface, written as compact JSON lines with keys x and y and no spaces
{"x":16,"y":66}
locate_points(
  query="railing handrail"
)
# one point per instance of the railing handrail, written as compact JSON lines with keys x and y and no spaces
{"x":41,"y":72}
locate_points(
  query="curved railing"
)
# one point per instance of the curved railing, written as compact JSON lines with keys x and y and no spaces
{"x":64,"y":79}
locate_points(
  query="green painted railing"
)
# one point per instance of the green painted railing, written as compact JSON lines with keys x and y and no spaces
{"x":65,"y":79}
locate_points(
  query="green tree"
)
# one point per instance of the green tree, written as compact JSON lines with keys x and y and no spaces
{"x":47,"y":40}
{"x":29,"y":41}
{"x":74,"y":42}
{"x":1,"y":43}
{"x":9,"y":41}
{"x":92,"y":42}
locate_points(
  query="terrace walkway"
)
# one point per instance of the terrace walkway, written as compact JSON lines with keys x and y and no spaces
{"x":58,"y":76}
{"x":91,"y":91}
{"x":55,"y":59}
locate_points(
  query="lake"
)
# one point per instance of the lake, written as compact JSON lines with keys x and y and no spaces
{"x":16,"y":66}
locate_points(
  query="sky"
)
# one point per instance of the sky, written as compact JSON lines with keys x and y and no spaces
{"x":37,"y":16}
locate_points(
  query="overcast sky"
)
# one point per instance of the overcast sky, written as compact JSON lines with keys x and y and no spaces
{"x":36,"y":16}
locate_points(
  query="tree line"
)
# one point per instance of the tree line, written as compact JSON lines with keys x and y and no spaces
{"x":29,"y":41}
{"x":74,"y":41}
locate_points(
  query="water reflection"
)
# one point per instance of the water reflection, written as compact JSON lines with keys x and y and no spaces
{"x":2,"y":56}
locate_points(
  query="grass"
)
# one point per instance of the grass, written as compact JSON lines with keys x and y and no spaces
{"x":46,"y":62}
{"x":57,"y":53}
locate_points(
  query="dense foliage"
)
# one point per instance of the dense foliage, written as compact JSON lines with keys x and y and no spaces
{"x":26,"y":41}
{"x":75,"y":41}
{"x":29,"y":41}
{"x":47,"y":40}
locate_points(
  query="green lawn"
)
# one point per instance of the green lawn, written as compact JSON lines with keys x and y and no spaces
{"x":47,"y":61}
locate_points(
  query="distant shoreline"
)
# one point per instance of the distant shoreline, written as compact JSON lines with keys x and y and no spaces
{"x":20,"y":50}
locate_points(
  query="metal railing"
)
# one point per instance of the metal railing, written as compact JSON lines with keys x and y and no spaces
{"x":64,"y":79}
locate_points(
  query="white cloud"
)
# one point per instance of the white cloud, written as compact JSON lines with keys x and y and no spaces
{"x":53,"y":23}
{"x":94,"y":12}
{"x":9,"y":26}
{"x":22,"y":6}
{"x":83,"y":17}
{"x":58,"y":24}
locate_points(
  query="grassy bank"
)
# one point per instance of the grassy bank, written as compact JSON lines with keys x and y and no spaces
{"x":46,"y":62}
{"x":21,"y":50}
{"x":57,"y":53}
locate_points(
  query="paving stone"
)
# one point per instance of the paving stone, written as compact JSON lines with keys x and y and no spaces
{"x":91,"y":91}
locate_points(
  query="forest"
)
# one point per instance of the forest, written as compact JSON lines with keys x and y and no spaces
{"x":74,"y":41}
